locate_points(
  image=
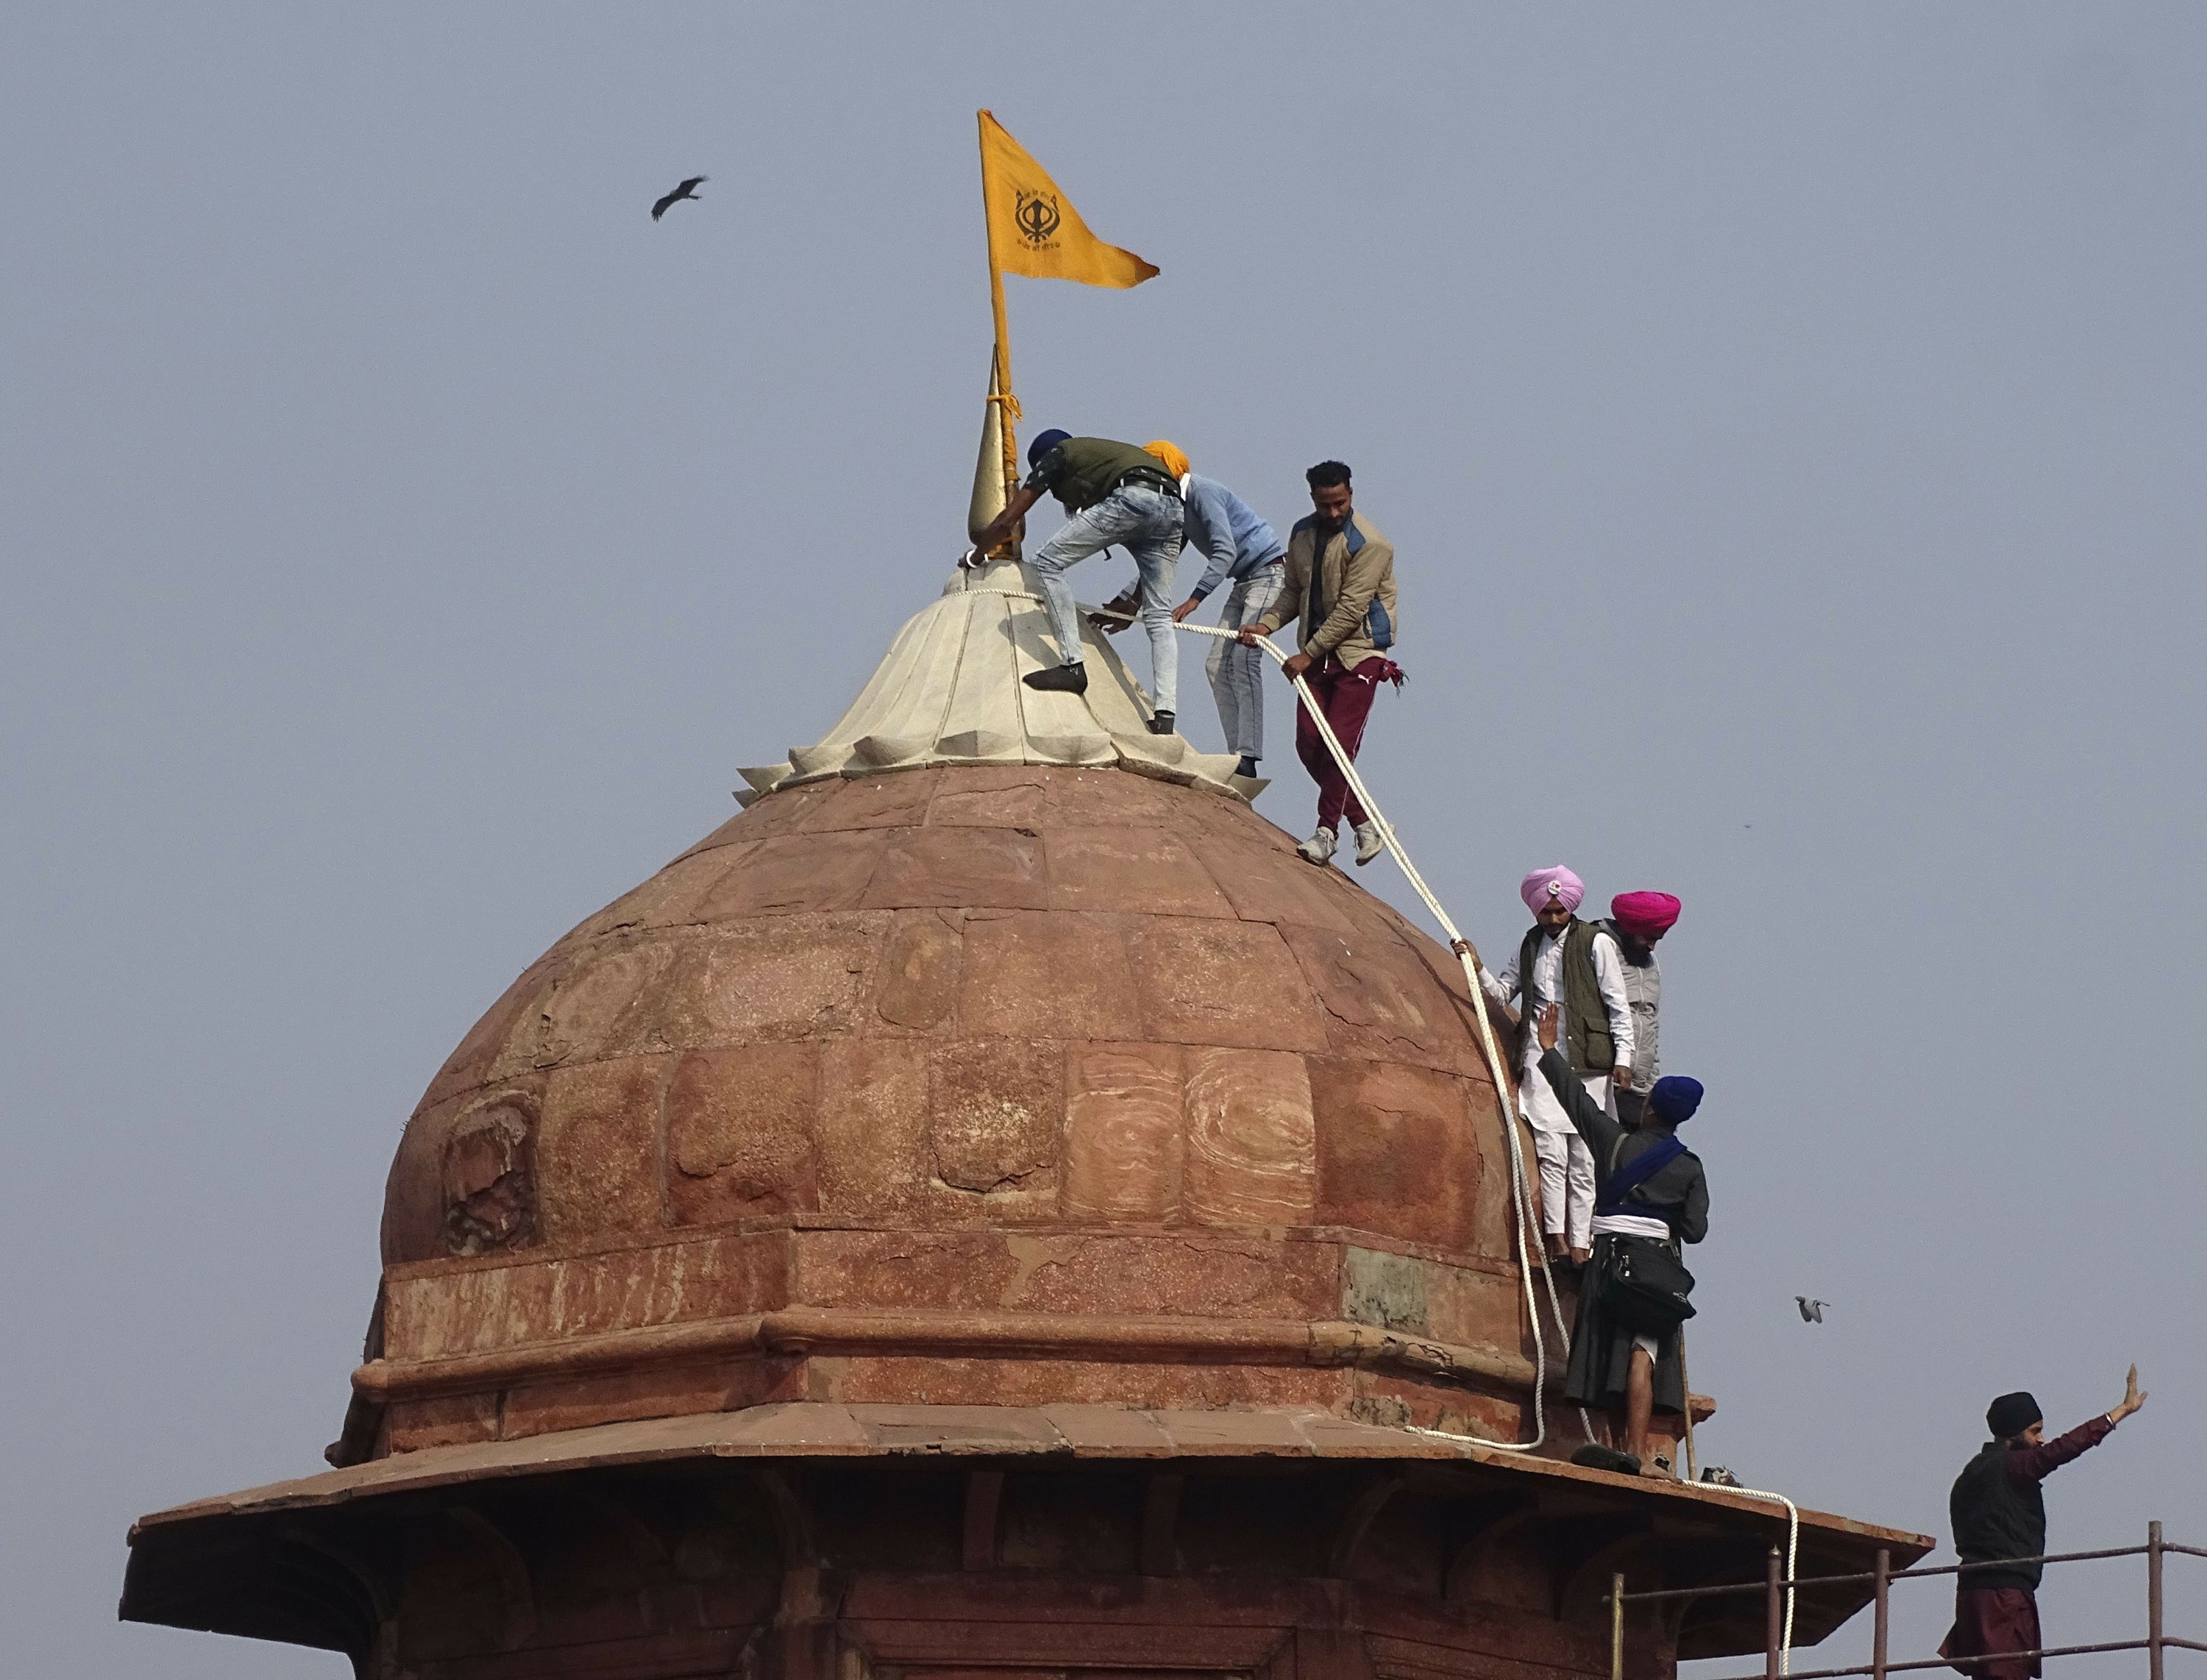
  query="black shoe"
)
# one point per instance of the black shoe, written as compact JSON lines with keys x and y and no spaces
{"x":1068,"y":678}
{"x":1248,"y":767}
{"x":1161,"y":723}
{"x":1606,"y":1458}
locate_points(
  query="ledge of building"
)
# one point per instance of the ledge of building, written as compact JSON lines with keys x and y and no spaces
{"x":814,"y":1430}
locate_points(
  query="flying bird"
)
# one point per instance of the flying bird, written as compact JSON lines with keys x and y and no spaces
{"x":1812,"y":1312}
{"x":688,"y":189}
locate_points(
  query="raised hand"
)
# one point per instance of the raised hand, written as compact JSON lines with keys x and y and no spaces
{"x":1545,"y":1023}
{"x":2132,"y":1398}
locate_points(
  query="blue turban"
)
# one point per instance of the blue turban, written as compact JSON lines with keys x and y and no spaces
{"x":1043,"y":443}
{"x":1674,"y":1099}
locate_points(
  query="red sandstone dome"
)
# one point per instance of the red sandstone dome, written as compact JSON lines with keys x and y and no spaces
{"x":1056,"y":1083}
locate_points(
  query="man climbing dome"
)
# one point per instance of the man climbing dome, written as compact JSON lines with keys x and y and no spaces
{"x":1241,"y":550}
{"x":1655,"y":1196}
{"x":1339,"y":588}
{"x":1636,"y":921}
{"x":1576,"y":964}
{"x":1998,"y":1513}
{"x":1113,"y":492}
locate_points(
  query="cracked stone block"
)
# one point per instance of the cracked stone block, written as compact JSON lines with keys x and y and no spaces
{"x":1141,"y":871}
{"x":739,"y":1133}
{"x":995,"y":1107}
{"x":917,"y":986}
{"x":798,"y":872}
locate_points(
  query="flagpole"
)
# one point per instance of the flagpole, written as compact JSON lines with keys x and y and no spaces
{"x":1002,"y":368}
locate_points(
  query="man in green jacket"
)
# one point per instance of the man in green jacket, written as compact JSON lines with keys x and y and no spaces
{"x":1340,"y":587}
{"x":1114,"y":493}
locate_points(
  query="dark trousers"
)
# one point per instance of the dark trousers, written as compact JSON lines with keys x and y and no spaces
{"x":1345,"y":697}
{"x":1990,"y":1620}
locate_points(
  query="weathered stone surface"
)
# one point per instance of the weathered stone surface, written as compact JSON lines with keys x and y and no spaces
{"x":895,"y":799}
{"x":1250,"y":1158}
{"x":767,"y":978}
{"x":790,"y":872}
{"x":1395,"y":1150}
{"x":872,"y":1128}
{"x":1268,"y":884}
{"x":439,"y":1312}
{"x":1037,"y":975}
{"x":971,"y":869}
{"x":591,"y":1010}
{"x":995,"y":1110}
{"x":991,"y":796}
{"x":739,"y":1133}
{"x":671,"y":896}
{"x":1207,"y":982}
{"x":1134,"y":871}
{"x":916,"y":988}
{"x":923,"y":1381}
{"x":1122,"y":1133}
{"x":1380,"y":1001}
{"x":594,"y":1180}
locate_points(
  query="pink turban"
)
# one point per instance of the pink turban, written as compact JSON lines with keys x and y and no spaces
{"x":1554,"y":882}
{"x":1644,"y":912}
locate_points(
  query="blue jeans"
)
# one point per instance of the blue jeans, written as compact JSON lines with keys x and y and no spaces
{"x":1148,"y":524}
{"x":1237,"y":672}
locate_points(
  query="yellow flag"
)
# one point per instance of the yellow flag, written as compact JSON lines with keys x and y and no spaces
{"x":1034,"y":229}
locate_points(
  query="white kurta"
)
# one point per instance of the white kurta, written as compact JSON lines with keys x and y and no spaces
{"x":1567,"y":1169}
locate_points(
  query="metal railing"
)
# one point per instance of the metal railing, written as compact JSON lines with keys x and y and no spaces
{"x":1776,"y":1591}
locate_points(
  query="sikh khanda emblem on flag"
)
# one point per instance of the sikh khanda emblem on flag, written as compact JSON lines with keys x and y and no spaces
{"x":1034,"y":230}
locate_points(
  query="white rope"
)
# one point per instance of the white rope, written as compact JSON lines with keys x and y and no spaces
{"x":1520,"y":1185}
{"x":1792,"y":1563}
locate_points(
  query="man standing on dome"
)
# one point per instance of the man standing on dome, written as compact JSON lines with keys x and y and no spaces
{"x":1114,"y":494}
{"x":1577,"y":965}
{"x":1339,"y":585}
{"x":1655,"y":1196}
{"x":1999,"y":1514}
{"x":1241,"y":549}
{"x":1636,"y":921}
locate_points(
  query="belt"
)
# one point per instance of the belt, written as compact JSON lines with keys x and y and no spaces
{"x":1154,"y":481}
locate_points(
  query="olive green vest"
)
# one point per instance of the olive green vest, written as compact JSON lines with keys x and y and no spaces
{"x":1091,"y":468}
{"x":1586,"y":1043}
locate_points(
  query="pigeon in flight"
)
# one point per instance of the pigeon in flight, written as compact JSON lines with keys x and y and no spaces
{"x":688,"y":189}
{"x":1812,"y":1312}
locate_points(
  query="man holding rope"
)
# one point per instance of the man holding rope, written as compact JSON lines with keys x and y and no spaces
{"x":1340,"y":587}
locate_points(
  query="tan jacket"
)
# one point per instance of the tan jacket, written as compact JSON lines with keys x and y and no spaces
{"x":1356,"y":592}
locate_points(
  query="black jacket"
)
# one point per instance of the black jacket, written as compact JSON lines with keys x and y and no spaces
{"x":1676,"y":1192}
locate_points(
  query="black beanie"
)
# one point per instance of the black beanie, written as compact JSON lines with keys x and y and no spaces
{"x":2010,"y":1414}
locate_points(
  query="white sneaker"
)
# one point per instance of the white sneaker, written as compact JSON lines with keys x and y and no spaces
{"x":1369,"y":843}
{"x":1318,"y":848}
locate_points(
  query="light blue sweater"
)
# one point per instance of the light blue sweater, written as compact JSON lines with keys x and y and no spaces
{"x":1228,"y":531}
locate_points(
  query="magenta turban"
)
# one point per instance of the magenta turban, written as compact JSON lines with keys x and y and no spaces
{"x":1643,"y":913}
{"x":1554,"y":882}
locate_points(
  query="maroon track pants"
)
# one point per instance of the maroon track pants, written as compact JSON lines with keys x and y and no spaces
{"x":1345,"y":697}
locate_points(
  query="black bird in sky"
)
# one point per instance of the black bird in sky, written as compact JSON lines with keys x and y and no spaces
{"x":688,"y":189}
{"x":1812,"y":1312}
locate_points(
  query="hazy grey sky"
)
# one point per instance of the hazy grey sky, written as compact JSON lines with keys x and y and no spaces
{"x":1788,"y":418}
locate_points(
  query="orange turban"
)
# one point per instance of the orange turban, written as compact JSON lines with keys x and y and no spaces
{"x":1173,"y":456}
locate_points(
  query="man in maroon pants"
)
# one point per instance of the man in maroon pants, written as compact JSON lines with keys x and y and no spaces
{"x":1998,"y":1513}
{"x":1340,"y":588}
